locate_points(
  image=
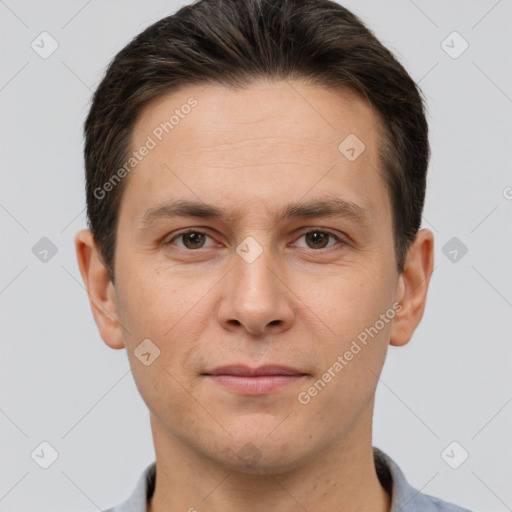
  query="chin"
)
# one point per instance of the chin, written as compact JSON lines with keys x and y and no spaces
{"x":251,"y":460}
{"x":261,"y":449}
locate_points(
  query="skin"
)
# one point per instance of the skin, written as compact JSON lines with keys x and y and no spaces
{"x":300,"y":303}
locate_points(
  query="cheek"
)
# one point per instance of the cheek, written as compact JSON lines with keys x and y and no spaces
{"x":348,"y":375}
{"x":171,"y":317}
{"x":162,"y":390}
{"x":357,"y":314}
{"x":170,"y":311}
{"x":348,"y":302}
{"x":151,"y":304}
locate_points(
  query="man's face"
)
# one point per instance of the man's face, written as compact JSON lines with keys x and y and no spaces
{"x":255,"y":288}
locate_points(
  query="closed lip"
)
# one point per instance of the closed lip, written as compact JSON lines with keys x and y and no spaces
{"x":247,"y":371}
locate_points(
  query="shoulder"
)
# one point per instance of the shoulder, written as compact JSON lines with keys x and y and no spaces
{"x":435,"y":505}
{"x":428,"y":503}
{"x":404,"y":497}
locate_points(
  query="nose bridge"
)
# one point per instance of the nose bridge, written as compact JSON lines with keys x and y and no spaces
{"x":255,"y":297}
{"x":254,"y":274}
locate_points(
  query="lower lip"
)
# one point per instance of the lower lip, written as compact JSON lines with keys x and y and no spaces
{"x":257,"y":384}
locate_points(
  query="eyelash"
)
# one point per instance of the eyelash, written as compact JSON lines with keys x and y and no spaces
{"x":197,"y":231}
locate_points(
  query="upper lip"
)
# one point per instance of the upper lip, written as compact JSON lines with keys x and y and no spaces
{"x":243,"y":370}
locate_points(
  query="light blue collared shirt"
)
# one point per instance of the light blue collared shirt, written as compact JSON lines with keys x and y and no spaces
{"x":404,"y":498}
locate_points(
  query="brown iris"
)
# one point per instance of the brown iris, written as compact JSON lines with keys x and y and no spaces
{"x":317,"y":237}
{"x":196,"y":240}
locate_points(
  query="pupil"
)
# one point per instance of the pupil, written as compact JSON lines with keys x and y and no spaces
{"x":194,"y":238}
{"x":317,"y":237}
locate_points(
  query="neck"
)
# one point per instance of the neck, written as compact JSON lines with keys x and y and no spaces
{"x":341,"y":478}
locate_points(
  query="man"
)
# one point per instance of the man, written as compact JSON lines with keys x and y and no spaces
{"x":255,"y":182}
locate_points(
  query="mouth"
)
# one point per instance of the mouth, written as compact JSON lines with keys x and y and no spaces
{"x":255,"y":381}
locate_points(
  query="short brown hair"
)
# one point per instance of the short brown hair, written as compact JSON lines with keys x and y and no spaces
{"x":234,"y":42}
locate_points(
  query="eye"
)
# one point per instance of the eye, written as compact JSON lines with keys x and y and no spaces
{"x":192,"y":239}
{"x":318,"y":239}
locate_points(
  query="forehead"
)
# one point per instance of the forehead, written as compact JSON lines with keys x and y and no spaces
{"x":270,"y":139}
{"x":287,"y":109}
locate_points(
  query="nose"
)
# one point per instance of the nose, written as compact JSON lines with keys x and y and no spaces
{"x":256,"y":298}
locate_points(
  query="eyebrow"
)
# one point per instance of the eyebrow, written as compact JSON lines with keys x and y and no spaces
{"x":330,"y":207}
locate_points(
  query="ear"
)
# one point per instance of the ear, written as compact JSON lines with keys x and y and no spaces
{"x":412,"y":287}
{"x":100,"y":289}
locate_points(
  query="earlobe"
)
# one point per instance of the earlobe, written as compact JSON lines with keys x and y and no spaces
{"x":100,"y":289}
{"x":412,"y":287}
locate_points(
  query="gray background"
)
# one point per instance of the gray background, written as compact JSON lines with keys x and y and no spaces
{"x":61,"y":384}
